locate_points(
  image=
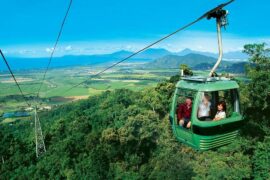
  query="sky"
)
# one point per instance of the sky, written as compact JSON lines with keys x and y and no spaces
{"x":29,"y":27}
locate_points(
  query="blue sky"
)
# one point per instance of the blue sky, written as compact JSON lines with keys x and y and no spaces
{"x":30,"y":27}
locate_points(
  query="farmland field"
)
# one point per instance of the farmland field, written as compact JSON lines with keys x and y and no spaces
{"x":59,"y":80}
{"x":56,"y":89}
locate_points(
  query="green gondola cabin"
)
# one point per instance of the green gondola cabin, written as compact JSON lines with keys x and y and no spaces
{"x":205,"y":133}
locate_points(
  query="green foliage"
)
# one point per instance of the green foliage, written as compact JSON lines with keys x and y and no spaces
{"x":218,"y":165}
{"x":186,"y":69}
{"x":259,"y":53}
{"x":257,"y":90}
{"x":171,"y":165}
{"x":261,"y":160}
{"x":123,"y":134}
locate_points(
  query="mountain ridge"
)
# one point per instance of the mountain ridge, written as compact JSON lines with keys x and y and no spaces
{"x":196,"y":62}
{"x":149,"y":55}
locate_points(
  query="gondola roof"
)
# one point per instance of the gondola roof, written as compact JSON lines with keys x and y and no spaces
{"x":200,"y":83}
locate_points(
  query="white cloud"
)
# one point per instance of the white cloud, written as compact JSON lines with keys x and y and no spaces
{"x":207,"y":41}
{"x":49,"y":50}
{"x":68,"y":48}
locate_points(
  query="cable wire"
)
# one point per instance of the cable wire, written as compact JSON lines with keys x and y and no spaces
{"x":55,"y":45}
{"x":14,"y":78}
{"x":205,"y":15}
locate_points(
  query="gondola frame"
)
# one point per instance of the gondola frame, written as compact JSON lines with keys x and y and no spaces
{"x":215,"y":133}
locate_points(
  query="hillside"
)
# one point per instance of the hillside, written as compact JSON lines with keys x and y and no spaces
{"x":123,"y":135}
{"x":21,"y":63}
{"x":229,"y":56}
{"x":174,"y":61}
{"x":238,"y":67}
{"x":196,"y":62}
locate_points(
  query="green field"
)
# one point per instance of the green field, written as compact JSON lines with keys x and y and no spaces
{"x":58,"y":81}
{"x":56,"y":87}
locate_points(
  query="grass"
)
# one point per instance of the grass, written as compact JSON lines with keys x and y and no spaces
{"x":93,"y":91}
{"x":59,"y":80}
{"x":11,"y":120}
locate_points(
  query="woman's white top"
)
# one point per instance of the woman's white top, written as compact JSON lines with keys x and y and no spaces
{"x":204,"y":110}
{"x":220,"y":114}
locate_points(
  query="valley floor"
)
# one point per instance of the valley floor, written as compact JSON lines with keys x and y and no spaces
{"x":58,"y":81}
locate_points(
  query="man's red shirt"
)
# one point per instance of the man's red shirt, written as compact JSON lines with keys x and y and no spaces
{"x":184,"y":111}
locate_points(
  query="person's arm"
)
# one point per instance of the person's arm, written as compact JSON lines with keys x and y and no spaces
{"x":209,"y":109}
{"x":217,"y":118}
{"x":220,"y":116}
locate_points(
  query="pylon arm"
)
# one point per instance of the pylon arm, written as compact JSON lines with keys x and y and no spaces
{"x":220,"y":49}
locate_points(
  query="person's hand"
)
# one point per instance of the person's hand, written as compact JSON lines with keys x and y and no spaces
{"x":189,"y":124}
{"x":216,"y":119}
{"x":181,"y":122}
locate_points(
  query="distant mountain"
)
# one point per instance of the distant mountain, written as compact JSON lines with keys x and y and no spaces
{"x":190,"y":51}
{"x":185,"y":52}
{"x":69,"y":60}
{"x":161,"y":57}
{"x":235,"y":55}
{"x":76,"y":60}
{"x":120,"y":54}
{"x":236,"y":67}
{"x":228,"y":56}
{"x":149,"y":54}
{"x":39,"y":63}
{"x":153,"y":53}
{"x":174,"y":61}
{"x":196,"y":62}
{"x":203,"y":66}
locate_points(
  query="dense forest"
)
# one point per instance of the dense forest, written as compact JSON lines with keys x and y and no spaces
{"x":123,"y":134}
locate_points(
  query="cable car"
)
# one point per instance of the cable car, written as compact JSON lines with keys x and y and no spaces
{"x":205,"y":95}
{"x":205,"y":133}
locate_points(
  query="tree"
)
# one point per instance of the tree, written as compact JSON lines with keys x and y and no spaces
{"x":215,"y":165}
{"x":186,"y":69}
{"x":153,"y":99}
{"x":261,"y":159}
{"x":258,"y":88}
{"x":171,"y":165}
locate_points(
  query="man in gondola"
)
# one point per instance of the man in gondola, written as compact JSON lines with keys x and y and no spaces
{"x":184,"y":113}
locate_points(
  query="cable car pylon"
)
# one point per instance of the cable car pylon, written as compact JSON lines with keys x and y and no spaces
{"x":221,"y":21}
{"x":40,"y":145}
